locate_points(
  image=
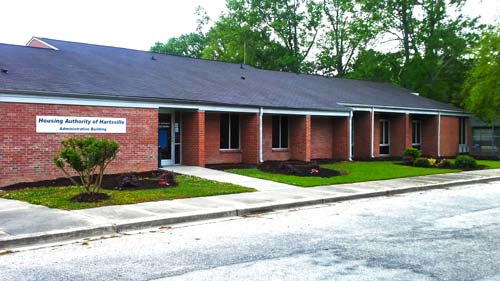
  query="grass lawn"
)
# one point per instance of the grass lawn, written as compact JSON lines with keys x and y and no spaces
{"x":491,"y":164}
{"x":358,"y":172}
{"x":59,"y":197}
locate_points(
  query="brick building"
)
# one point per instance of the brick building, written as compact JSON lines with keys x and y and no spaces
{"x":168,"y":110}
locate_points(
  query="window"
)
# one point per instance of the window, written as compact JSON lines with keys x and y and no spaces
{"x":229,"y":131}
{"x":280,"y":131}
{"x":384,"y":137}
{"x":416,"y":139}
{"x":462,"y":131}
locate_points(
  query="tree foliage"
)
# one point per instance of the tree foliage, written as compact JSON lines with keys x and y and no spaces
{"x":483,"y":82}
{"x":423,"y":45}
{"x":348,"y":30}
{"x":88,"y":157}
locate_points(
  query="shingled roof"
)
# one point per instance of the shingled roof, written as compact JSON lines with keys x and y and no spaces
{"x":85,"y":69}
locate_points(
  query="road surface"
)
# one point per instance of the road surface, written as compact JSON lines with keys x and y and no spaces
{"x":434,"y":235}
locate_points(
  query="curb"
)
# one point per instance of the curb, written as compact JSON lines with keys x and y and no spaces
{"x":80,"y":233}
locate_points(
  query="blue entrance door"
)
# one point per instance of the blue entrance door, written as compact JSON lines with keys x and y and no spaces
{"x":165,"y":142}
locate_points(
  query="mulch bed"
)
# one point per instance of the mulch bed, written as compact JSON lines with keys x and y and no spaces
{"x":298,"y":168}
{"x":145,"y":180}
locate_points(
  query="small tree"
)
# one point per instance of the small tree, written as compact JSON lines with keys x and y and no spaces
{"x":88,"y":157}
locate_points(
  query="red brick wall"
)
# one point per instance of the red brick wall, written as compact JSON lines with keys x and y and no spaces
{"x":449,"y":136}
{"x":193,"y":138}
{"x":213,"y":154}
{"x":267,"y":142}
{"x":250,"y":138}
{"x":429,"y":135}
{"x":38,"y":44}
{"x":300,"y":137}
{"x":362,"y":134}
{"x":27,"y":156}
{"x":401,"y":133}
{"x":321,"y":137}
{"x":341,"y":145}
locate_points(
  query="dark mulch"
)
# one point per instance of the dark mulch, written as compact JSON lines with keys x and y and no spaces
{"x":298,"y":168}
{"x":145,"y":180}
{"x":90,"y":197}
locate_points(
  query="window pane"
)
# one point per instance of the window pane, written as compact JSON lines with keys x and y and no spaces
{"x":384,"y":150}
{"x":386,"y":134}
{"x":224,"y":131}
{"x":381,"y":132}
{"x":276,"y":131}
{"x":284,"y":132}
{"x":177,"y":127}
{"x":235,"y":131}
{"x":419,"y":132}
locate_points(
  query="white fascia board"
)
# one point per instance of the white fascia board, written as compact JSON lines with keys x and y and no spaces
{"x":411,"y":111}
{"x":120,"y":103}
{"x":306,"y":112}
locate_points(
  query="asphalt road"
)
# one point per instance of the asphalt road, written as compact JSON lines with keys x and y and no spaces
{"x":435,"y":235}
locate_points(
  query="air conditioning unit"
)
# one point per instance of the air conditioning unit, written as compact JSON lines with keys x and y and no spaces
{"x":463,"y":148}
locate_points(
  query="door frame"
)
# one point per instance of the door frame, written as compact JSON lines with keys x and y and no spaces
{"x":171,"y":161}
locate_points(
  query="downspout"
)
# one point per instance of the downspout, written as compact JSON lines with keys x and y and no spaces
{"x":350,"y":135}
{"x":372,"y":112}
{"x":439,"y":134}
{"x":261,"y":113}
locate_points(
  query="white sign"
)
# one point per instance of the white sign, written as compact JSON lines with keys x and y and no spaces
{"x":70,"y":124}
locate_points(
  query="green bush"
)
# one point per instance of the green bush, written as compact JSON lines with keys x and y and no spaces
{"x":444,"y":163}
{"x":465,"y":162}
{"x":412,"y":152}
{"x":88,"y":157}
{"x":422,"y":162}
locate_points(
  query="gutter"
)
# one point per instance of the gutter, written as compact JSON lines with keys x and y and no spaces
{"x":434,"y":110}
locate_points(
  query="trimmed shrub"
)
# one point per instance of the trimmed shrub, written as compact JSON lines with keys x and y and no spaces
{"x":88,"y":157}
{"x":168,"y":179}
{"x":432,"y":161}
{"x":408,"y":160}
{"x":465,"y":162}
{"x":412,"y":152}
{"x":444,"y":163}
{"x":422,"y":162}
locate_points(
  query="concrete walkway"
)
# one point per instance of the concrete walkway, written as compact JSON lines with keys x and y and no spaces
{"x":221,"y":176}
{"x":23,"y":224}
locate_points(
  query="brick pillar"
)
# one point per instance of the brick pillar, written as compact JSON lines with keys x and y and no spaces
{"x":449,"y":135}
{"x":468,"y":132}
{"x":341,"y":145}
{"x":362,"y":134}
{"x":250,"y":138}
{"x":300,"y":138}
{"x":193,"y":138}
{"x":430,"y":135}
{"x":401,"y":133}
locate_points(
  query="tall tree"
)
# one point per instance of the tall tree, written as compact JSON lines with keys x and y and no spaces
{"x":187,"y":45}
{"x":228,"y":41}
{"x":483,"y":84}
{"x":348,"y":30}
{"x":434,"y":41}
{"x":294,"y":23}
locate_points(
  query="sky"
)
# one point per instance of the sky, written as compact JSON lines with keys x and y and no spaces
{"x":135,"y":24}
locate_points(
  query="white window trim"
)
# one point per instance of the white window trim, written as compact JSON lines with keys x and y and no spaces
{"x":419,"y":143}
{"x":462,"y":123}
{"x":388,"y":144}
{"x":229,"y":128}
{"x":279,"y":134}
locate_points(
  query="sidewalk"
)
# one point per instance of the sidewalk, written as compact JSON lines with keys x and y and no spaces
{"x":23,"y":224}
